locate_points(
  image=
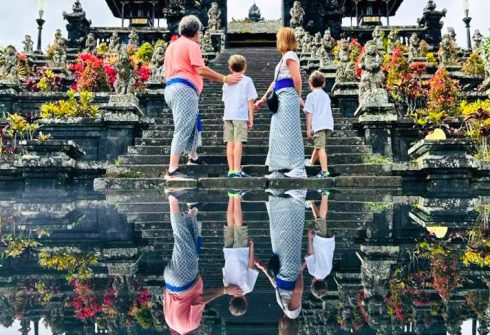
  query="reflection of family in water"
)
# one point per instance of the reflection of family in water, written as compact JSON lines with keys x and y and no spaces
{"x":184,"y":295}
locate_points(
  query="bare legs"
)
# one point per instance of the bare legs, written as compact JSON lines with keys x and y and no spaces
{"x":320,"y":154}
{"x":234,"y":152}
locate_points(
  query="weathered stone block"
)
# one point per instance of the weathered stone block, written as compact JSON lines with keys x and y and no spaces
{"x":347,"y":95}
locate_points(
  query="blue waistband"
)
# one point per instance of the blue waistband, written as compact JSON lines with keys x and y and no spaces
{"x":283,"y":83}
{"x":284,"y":284}
{"x":180,"y":289}
{"x":184,"y":81}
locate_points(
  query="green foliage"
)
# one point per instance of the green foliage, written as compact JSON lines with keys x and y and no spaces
{"x":477,"y":125}
{"x":377,"y":207}
{"x":102,"y":49}
{"x":144,"y":53}
{"x":73,"y":107}
{"x":377,"y":159}
{"x":19,"y":128}
{"x":474,"y":65}
{"x":77,"y":266}
{"x":16,"y":246}
{"x":46,"y":295}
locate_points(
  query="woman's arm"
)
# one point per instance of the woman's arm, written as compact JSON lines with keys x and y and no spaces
{"x":296,"y":74}
{"x":259,"y":265}
{"x":212,"y":75}
{"x":262,"y":101}
{"x":213,"y":294}
{"x":295,"y":302}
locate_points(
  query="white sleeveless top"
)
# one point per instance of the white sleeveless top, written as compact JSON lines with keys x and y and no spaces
{"x":284,"y":70}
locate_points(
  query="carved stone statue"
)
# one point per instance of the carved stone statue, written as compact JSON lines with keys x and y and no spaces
{"x":413,"y":50}
{"x":158,"y":64}
{"x":392,"y":40}
{"x":28,"y":45}
{"x":299,"y":33}
{"x":125,"y":82}
{"x":345,"y":68}
{"x":447,"y":52}
{"x":207,"y":44}
{"x":477,"y":39}
{"x":306,"y":43}
{"x":114,"y":44}
{"x":90,"y":44}
{"x":214,"y":15}
{"x":452,"y":33}
{"x":297,"y":15}
{"x":9,"y":69}
{"x":371,"y":89}
{"x":378,"y":38}
{"x":58,"y":38}
{"x":485,"y":86}
{"x":328,"y":45}
{"x":58,"y":59}
{"x":254,"y":13}
{"x":78,"y":26}
{"x":133,"y":38}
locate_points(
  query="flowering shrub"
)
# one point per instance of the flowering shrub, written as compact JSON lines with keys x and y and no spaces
{"x":72,"y":107}
{"x":84,"y":300}
{"x":90,"y":74}
{"x":442,"y":103}
{"x":474,"y":65}
{"x":477,"y":124}
{"x":45,"y":81}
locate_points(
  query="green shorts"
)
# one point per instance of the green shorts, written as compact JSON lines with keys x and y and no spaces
{"x":236,"y":237}
{"x":320,"y":139}
{"x":236,"y":131}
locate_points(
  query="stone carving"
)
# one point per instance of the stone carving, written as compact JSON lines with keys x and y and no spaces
{"x":125,"y":82}
{"x":371,"y":90}
{"x":254,"y":13}
{"x":392,"y":40}
{"x":485,"y":86}
{"x":90,"y":44}
{"x":10,"y":67}
{"x":158,"y":64}
{"x":447,"y":51}
{"x":452,"y":33}
{"x":477,"y":39}
{"x":306,"y":43}
{"x":78,"y":26}
{"x":133,"y":38}
{"x":413,"y":50}
{"x":28,"y":45}
{"x":58,"y":59}
{"x":378,"y":38}
{"x":328,"y":46}
{"x":345,"y":68}
{"x":299,"y":32}
{"x":297,"y":15}
{"x":114,"y":44}
{"x":207,"y":44}
{"x":214,"y":15}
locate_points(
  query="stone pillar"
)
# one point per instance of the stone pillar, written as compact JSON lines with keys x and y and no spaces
{"x":347,"y":95}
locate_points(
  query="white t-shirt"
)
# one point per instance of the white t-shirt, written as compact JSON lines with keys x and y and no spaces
{"x":320,"y":263}
{"x":283,"y":298}
{"x":236,"y":270}
{"x":318,"y":104}
{"x":284,"y":70}
{"x":236,"y":98}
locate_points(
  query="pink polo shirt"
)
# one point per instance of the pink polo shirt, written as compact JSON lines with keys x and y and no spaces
{"x":182,"y":59}
{"x":181,"y":314}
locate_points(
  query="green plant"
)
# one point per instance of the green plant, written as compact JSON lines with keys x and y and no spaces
{"x":102,"y":49}
{"x":19,"y":128}
{"x":144,"y":53}
{"x":16,"y":246}
{"x":71,"y":107}
{"x":474,"y":65}
{"x":77,"y":266}
{"x":477,"y":124}
{"x":377,"y":159}
{"x":377,"y":207}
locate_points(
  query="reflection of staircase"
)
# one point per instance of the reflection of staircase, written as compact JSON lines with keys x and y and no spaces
{"x":148,"y":158}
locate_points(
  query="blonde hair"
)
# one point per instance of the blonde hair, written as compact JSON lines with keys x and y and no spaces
{"x":237,"y":63}
{"x":286,"y":40}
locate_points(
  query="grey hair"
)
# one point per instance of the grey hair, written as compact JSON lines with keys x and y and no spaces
{"x":189,"y":26}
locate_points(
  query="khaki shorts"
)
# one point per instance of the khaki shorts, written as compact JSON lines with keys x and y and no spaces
{"x":236,"y":237}
{"x":320,"y":139}
{"x":236,"y":131}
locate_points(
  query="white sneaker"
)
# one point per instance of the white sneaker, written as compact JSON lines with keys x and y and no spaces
{"x":308,"y":162}
{"x":297,"y":174}
{"x":274,"y":175}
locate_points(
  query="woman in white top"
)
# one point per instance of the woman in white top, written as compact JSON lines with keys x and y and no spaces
{"x":286,"y":146}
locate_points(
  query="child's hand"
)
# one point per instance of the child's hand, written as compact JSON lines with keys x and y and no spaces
{"x":250,"y":243}
{"x":260,"y":265}
{"x":310,"y":134}
{"x":302,"y":103}
{"x":259,"y":104}
{"x":250,"y":124}
{"x":311,"y":233}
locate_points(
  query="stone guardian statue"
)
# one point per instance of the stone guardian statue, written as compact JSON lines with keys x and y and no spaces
{"x":345,"y":69}
{"x":114,"y":44}
{"x":10,"y":68}
{"x":126,"y":81}
{"x":297,"y":15}
{"x":90,"y":44}
{"x":28,"y":45}
{"x":214,"y":17}
{"x":371,"y":88}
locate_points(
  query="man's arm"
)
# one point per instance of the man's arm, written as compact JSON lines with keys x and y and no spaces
{"x":209,"y":74}
{"x":213,"y":294}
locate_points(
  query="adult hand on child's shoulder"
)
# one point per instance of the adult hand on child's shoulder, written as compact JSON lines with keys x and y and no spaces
{"x":234,"y":78}
{"x":233,"y":290}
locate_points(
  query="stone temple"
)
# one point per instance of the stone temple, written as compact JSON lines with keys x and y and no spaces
{"x":395,"y":240}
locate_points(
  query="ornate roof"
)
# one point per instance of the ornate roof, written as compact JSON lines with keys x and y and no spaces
{"x":378,"y":6}
{"x":116,"y":6}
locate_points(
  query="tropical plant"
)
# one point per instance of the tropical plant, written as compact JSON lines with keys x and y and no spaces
{"x":424,"y":48}
{"x":144,"y":53}
{"x":76,"y":265}
{"x":84,"y":300}
{"x":45,"y":80}
{"x":477,"y":124}
{"x":90,"y":74}
{"x":102,"y":49}
{"x":16,"y":246}
{"x":72,"y":107}
{"x":474,"y":65}
{"x":19,"y":128}
{"x":478,"y":247}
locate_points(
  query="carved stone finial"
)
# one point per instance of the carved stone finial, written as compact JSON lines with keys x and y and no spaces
{"x":90,"y":44}
{"x":214,"y":17}
{"x":28,"y":45}
{"x":254,"y":13}
{"x":297,"y":15}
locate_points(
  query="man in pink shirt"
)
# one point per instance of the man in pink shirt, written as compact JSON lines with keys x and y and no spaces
{"x":184,"y":298}
{"x":184,"y":73}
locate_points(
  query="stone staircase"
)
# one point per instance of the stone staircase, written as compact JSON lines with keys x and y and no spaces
{"x":145,"y":163}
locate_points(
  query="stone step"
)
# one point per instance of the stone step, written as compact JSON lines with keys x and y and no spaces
{"x":166,"y":141}
{"x":217,"y":125}
{"x":254,"y":134}
{"x":341,"y":182}
{"x":345,"y":158}
{"x":216,"y":150}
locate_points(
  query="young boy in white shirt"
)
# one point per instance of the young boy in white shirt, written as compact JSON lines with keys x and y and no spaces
{"x":239,"y":256}
{"x":321,"y":247}
{"x":319,"y":121}
{"x":239,"y":102}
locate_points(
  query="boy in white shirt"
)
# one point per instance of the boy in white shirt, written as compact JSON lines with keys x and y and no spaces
{"x":319,"y":121}
{"x":321,"y":247}
{"x":239,"y":255}
{"x":239,"y":102}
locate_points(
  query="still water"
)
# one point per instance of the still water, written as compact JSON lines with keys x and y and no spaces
{"x":233,"y":262}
